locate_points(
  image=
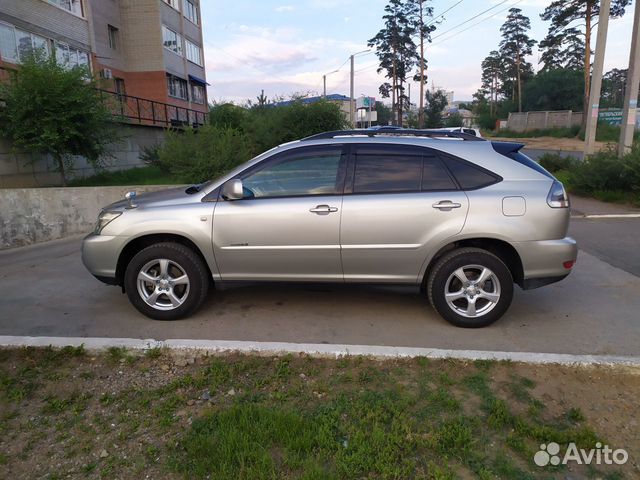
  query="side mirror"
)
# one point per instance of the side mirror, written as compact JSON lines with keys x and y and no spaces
{"x":233,"y":190}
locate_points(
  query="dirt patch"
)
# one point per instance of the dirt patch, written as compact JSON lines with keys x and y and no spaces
{"x":552,"y":143}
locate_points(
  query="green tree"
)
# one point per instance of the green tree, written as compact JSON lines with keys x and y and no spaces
{"x":454,"y":120}
{"x":492,"y":71}
{"x":50,"y":109}
{"x":573,"y":20}
{"x":227,"y":115}
{"x":396,"y":51}
{"x":515,"y":45}
{"x":613,"y":88}
{"x":435,"y":105}
{"x":419,"y":13}
{"x":384,"y":113}
{"x":558,"y":89}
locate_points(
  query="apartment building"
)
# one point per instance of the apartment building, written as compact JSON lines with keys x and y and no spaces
{"x":150,"y":49}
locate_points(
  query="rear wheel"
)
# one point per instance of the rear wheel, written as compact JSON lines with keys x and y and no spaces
{"x":166,"y":281}
{"x":470,"y":287}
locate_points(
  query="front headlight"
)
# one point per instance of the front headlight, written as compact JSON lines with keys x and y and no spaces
{"x":104,"y":219}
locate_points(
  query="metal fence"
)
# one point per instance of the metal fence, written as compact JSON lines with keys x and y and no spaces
{"x":143,"y":111}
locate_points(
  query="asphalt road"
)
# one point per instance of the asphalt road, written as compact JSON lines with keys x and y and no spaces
{"x":615,"y":241}
{"x":535,"y":154}
{"x":47,"y":292}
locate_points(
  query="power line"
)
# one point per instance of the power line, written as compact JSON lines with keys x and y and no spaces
{"x":477,"y":23}
{"x":443,"y":13}
{"x":470,"y":19}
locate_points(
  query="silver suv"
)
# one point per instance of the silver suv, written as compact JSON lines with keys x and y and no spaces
{"x":461,"y":217}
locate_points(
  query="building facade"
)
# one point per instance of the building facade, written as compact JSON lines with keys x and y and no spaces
{"x":151,"y":49}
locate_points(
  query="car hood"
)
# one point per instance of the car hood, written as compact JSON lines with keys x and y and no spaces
{"x":171,"y":196}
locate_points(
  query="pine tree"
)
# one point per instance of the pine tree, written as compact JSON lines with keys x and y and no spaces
{"x":573,"y":21}
{"x":515,"y":46}
{"x":492,"y":68}
{"x":419,"y":12}
{"x":396,"y":49}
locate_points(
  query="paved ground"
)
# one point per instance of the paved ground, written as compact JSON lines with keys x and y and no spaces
{"x":47,"y":292}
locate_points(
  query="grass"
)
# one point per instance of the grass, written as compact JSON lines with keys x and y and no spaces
{"x":149,"y":175}
{"x":288,"y":417}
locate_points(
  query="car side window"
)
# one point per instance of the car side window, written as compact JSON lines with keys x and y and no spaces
{"x":435,"y":175}
{"x":470,"y":177}
{"x":296,"y":173}
{"x":387,"y":173}
{"x":397,"y":169}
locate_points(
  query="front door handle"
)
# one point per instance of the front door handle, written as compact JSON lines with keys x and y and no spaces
{"x":446,"y":205}
{"x":323,"y":210}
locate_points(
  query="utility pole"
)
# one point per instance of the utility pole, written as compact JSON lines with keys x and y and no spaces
{"x":324,"y":88}
{"x":352,"y":87}
{"x":352,"y":108}
{"x":421,"y":111}
{"x":596,"y":81}
{"x":631,"y":92}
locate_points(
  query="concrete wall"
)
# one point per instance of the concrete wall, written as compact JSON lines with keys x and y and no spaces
{"x":32,"y":215}
{"x":18,"y":170}
{"x":526,"y":121}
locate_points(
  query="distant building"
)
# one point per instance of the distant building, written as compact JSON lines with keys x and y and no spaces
{"x":150,"y":49}
{"x":468,"y":119}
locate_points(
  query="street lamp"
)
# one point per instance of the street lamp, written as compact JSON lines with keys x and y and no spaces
{"x":324,"y":82}
{"x":351,"y":105}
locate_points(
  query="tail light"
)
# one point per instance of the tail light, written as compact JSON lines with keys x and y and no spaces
{"x":558,"y":197}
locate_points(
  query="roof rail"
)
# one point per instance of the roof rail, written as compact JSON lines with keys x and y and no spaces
{"x":395,"y":132}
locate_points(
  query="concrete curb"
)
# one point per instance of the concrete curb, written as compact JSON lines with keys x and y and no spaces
{"x":608,"y":215}
{"x":314,"y":349}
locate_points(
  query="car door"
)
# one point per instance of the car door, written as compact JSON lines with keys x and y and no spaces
{"x":287,"y":226}
{"x":400,"y":202}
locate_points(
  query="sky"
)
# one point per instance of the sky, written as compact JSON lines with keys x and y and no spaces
{"x":285,"y":47}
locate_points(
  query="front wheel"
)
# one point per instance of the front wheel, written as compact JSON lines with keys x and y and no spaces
{"x":470,"y":287}
{"x":166,"y":281}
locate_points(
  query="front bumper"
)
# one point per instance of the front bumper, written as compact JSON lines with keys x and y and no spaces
{"x":544,"y":261}
{"x":100,"y":256}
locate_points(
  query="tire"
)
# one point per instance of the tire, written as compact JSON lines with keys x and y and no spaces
{"x":490,"y":295}
{"x":166,"y":281}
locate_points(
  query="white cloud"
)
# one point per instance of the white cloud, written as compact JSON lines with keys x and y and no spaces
{"x":285,"y":8}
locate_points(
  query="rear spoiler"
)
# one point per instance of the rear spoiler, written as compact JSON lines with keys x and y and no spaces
{"x":505,"y":148}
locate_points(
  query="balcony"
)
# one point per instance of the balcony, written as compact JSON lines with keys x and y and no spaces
{"x":142,"y":111}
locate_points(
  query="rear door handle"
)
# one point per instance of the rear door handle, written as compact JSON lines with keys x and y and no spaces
{"x":446,"y":205}
{"x":323,"y":210}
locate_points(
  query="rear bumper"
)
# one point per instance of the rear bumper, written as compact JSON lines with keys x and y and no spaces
{"x":545,"y":261}
{"x":100,"y":256}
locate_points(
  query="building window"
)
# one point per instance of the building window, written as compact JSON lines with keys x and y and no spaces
{"x":70,"y":57}
{"x":119,"y":86}
{"x":73,"y":6}
{"x":17,"y":45}
{"x":190,"y":10}
{"x":172,"y":3}
{"x":177,"y":87}
{"x":197,"y":93}
{"x":171,"y":40}
{"x":113,"y":37}
{"x":194,"y":52}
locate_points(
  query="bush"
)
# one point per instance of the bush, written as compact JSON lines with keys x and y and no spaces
{"x":486,"y":121}
{"x":554,"y":162}
{"x":198,"y":155}
{"x":604,"y":171}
